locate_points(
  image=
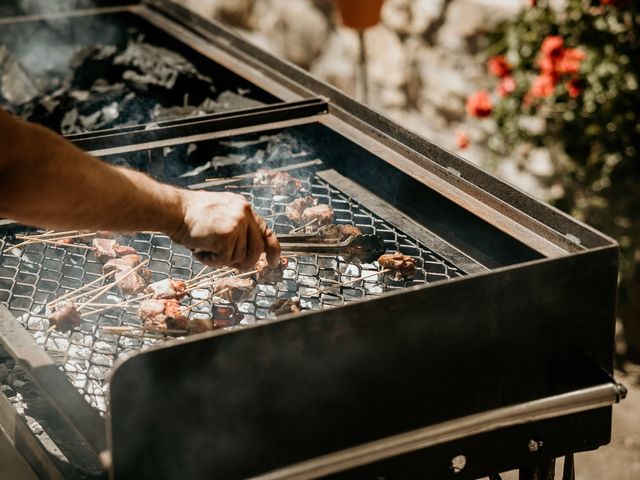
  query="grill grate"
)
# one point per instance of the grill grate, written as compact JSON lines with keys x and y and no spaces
{"x":36,"y":274}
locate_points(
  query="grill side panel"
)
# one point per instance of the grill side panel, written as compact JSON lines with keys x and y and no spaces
{"x":294,"y":390}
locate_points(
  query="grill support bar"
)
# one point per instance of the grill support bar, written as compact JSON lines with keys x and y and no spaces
{"x":554,"y":406}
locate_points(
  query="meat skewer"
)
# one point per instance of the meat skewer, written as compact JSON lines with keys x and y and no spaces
{"x":106,"y":249}
{"x":76,"y":293}
{"x":64,"y":318}
{"x":234,"y":289}
{"x":268,"y":274}
{"x":322,"y":213}
{"x":48,"y":235}
{"x":210,"y":182}
{"x":167,"y":288}
{"x":402,"y":266}
{"x":295,"y":209}
{"x":106,"y":288}
{"x":58,"y":242}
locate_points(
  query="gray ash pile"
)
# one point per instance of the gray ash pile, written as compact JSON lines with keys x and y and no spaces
{"x":108,"y":86}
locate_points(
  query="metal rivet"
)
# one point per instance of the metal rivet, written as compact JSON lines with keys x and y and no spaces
{"x":534,"y":445}
{"x":458,"y":463}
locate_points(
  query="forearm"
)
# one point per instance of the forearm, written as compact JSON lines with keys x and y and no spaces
{"x":46,"y":181}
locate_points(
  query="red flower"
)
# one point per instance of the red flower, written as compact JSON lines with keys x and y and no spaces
{"x":615,"y":3}
{"x":462,"y":140}
{"x":552,"y":46}
{"x":499,"y":66}
{"x":570,"y":61}
{"x":506,"y":86}
{"x":574,"y":87}
{"x":543,"y":86}
{"x":533,"y":3}
{"x":479,"y":104}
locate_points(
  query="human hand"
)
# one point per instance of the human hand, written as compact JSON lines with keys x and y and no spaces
{"x":222,"y":229}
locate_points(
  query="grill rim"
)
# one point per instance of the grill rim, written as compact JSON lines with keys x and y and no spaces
{"x":386,"y":132}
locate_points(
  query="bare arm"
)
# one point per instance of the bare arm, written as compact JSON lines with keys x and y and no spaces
{"x":46,"y":181}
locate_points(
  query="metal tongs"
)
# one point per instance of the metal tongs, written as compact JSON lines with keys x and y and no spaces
{"x":364,"y":247}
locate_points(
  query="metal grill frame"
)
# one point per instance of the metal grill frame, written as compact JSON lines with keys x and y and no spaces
{"x":563,"y":246}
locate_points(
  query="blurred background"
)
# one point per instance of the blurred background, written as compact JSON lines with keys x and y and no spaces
{"x":542,"y":93}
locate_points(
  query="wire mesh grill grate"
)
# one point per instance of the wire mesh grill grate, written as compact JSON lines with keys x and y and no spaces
{"x":34,"y":275}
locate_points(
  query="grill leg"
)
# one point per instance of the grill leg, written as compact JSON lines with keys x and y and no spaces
{"x":541,"y":471}
{"x":568,"y":470}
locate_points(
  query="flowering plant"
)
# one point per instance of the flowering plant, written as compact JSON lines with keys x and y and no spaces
{"x":567,"y":81}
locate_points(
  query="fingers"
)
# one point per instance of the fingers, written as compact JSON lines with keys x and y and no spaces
{"x":271,"y":243}
{"x":238,"y":252}
{"x":255,"y":244}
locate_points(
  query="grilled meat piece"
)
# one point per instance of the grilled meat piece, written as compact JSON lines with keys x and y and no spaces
{"x":403,"y":267}
{"x":107,"y":248}
{"x":151,"y":312}
{"x":163,"y":314}
{"x":338,"y":233}
{"x":121,"y":264}
{"x":167,"y":288}
{"x":282,"y":183}
{"x":65,"y":318}
{"x":200,"y":325}
{"x":66,"y":241}
{"x":322,"y":214}
{"x":294,"y":210}
{"x":134,"y":283}
{"x":267,"y":274}
{"x":284,"y":306}
{"x":234,"y":289}
{"x":176,"y":319}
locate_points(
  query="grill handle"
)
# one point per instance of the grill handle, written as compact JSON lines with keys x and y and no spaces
{"x":576,"y":401}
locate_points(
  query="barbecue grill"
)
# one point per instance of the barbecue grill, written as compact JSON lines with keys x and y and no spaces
{"x":497,"y":355}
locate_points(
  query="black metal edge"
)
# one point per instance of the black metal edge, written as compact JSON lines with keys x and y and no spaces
{"x":401,"y":221}
{"x":416,"y":148}
{"x":537,"y":273}
{"x":150,"y":133}
{"x":81,"y":418}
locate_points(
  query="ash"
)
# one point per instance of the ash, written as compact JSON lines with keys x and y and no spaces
{"x":109,"y":87}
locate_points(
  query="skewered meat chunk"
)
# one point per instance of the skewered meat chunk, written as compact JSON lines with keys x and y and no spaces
{"x":338,"y":233}
{"x":176,"y":319}
{"x":267,"y":274}
{"x":234,"y":289}
{"x":65,"y":318}
{"x":295,"y":209}
{"x":284,"y":306}
{"x":167,"y":288}
{"x":66,"y":241}
{"x":282,"y":183}
{"x":200,"y":325}
{"x":163,"y":314}
{"x":151,"y":312}
{"x":107,"y":248}
{"x":403,"y":267}
{"x":322,"y":214}
{"x":121,"y":264}
{"x":134,"y":283}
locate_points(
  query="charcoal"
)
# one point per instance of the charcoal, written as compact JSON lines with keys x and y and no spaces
{"x":16,"y":86}
{"x":111,"y":86}
{"x":155,"y":65}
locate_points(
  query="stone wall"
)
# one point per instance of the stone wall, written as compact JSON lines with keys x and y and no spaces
{"x":424,"y":59}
